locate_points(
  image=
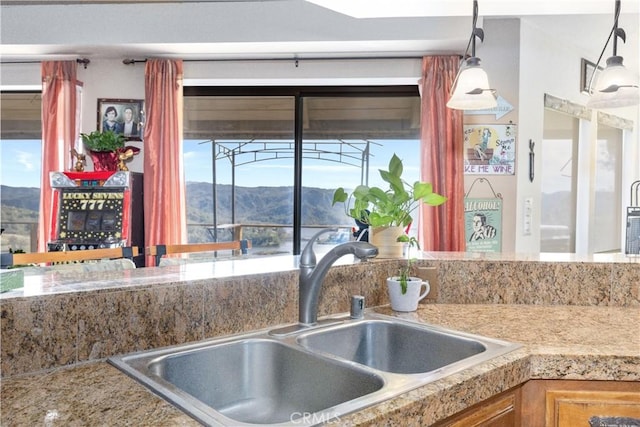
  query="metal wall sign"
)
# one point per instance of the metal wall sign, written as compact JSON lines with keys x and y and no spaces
{"x":483,"y":221}
{"x":489,"y":149}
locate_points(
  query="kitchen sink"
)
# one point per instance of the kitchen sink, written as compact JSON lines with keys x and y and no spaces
{"x":392,"y":346}
{"x":309,"y":376}
{"x":262,"y":381}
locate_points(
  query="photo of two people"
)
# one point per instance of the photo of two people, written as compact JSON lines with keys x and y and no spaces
{"x":123,"y":116}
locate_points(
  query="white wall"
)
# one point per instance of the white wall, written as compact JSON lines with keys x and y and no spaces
{"x":111,"y":79}
{"x":500,"y":55}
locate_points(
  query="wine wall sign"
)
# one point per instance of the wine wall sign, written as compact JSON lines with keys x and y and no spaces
{"x":490,"y":149}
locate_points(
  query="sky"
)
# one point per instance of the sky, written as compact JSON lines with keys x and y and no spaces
{"x":21,"y":165}
{"x":316,"y":173}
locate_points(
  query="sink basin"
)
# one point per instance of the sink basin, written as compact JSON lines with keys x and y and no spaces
{"x":253,"y":381}
{"x":305,"y":376}
{"x":393,"y":347}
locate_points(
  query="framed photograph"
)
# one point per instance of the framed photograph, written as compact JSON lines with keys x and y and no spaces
{"x":125,"y":116}
{"x":587,"y":70}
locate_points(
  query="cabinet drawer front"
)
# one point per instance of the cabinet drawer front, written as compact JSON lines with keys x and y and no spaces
{"x":570,"y":408}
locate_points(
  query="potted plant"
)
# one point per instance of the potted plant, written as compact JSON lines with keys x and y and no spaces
{"x":107,"y":149}
{"x":388,"y":212}
{"x":405,"y":291}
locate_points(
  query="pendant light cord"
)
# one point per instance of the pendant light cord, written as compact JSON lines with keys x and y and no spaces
{"x":475,"y":32}
{"x":614,"y":33}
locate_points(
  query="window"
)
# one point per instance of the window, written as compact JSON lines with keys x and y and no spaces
{"x":264,"y":163}
{"x":20,"y":148}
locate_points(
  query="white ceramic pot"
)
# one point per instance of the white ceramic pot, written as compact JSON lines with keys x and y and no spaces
{"x":416,"y":291}
{"x":386,"y":240}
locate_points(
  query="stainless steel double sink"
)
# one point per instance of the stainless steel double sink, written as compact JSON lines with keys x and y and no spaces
{"x":309,"y":376}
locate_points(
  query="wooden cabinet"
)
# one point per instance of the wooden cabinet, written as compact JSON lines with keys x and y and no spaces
{"x":499,"y":411}
{"x":561,"y":403}
{"x":554,"y":403}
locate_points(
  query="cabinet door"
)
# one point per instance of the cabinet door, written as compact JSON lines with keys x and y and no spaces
{"x":552,"y":403}
{"x":497,"y":412}
{"x":566,"y":408}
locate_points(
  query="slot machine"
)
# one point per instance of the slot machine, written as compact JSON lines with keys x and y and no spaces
{"x":93,"y":210}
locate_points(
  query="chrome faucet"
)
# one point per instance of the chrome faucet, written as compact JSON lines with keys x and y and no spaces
{"x":312,"y":275}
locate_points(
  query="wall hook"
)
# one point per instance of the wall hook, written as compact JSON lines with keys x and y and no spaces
{"x":531,"y":160}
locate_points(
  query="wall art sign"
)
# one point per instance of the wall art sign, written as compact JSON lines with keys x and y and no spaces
{"x":125,"y":116}
{"x":483,"y":224}
{"x":489,"y":149}
{"x":483,"y":220}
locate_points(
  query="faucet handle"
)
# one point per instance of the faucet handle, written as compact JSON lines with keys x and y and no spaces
{"x":357,"y":307}
{"x":308,"y":257}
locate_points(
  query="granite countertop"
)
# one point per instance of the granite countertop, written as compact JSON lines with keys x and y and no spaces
{"x":560,"y":342}
{"x":51,"y":282}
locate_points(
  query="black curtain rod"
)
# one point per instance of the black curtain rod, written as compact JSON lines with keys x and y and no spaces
{"x":83,"y":61}
{"x":132,"y":61}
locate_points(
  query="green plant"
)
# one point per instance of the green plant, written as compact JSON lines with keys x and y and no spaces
{"x":103,"y":141}
{"x":392,"y":207}
{"x":405,"y":271}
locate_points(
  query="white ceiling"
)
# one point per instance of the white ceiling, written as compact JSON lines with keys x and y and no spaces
{"x":245,"y":29}
{"x":506,"y":8}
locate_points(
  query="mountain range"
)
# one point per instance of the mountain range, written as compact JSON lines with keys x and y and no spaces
{"x":257,"y":205}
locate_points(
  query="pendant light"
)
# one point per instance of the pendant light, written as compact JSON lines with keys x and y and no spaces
{"x":471,"y":86}
{"x":616,"y":86}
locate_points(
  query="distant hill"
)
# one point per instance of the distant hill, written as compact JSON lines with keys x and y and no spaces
{"x":20,"y":197}
{"x":261,"y":204}
{"x":18,"y":204}
{"x":271,"y":205}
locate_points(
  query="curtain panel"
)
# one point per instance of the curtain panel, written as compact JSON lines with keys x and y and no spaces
{"x":164,"y":185}
{"x":61,"y":93}
{"x":441,"y":155}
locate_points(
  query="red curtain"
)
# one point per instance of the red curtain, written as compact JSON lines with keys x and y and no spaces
{"x":441,"y":153}
{"x":60,"y":132}
{"x":164,"y":186}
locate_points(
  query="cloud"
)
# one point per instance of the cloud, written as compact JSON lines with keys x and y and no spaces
{"x":25,"y":159}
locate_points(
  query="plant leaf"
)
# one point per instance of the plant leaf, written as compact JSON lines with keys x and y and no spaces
{"x":395,"y":166}
{"x":377,"y":220}
{"x":434,"y":199}
{"x":378,"y":195}
{"x":397,"y":185}
{"x":361,"y":192}
{"x":424,"y":191}
{"x":339,"y":196}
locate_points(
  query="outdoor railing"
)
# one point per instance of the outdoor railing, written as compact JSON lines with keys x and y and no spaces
{"x":225,"y":231}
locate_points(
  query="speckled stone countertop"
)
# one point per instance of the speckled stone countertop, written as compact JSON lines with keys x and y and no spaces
{"x":560,"y":342}
{"x":60,"y":282}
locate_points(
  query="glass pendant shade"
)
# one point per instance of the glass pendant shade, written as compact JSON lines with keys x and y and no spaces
{"x":615,"y":87}
{"x":472,"y":90}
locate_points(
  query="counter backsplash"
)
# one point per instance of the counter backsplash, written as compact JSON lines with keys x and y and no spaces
{"x":74,"y":326}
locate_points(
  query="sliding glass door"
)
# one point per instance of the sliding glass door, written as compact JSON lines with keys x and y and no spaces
{"x":264,"y":166}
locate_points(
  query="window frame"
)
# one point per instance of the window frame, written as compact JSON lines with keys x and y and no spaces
{"x":299,"y":93}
